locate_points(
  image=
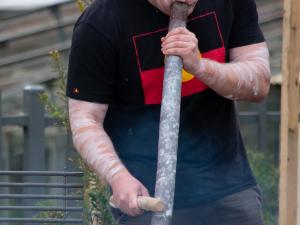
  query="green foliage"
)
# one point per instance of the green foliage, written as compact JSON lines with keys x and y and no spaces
{"x":96,"y":208}
{"x":82,"y":4}
{"x":57,"y":108}
{"x":49,"y":214}
{"x":96,"y":193}
{"x":266,"y":173}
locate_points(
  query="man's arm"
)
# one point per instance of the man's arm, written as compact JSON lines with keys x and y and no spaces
{"x":96,"y":148}
{"x":246,"y":77}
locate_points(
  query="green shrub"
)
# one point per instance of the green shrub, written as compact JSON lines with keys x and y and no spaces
{"x":96,"y":194}
{"x":266,"y":173}
{"x":49,"y":214}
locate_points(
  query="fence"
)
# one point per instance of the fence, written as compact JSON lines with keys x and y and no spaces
{"x":256,"y":124}
{"x":30,"y":202}
{"x":62,"y":22}
{"x":260,"y":123}
{"x":255,"y":120}
{"x":34,"y":123}
{"x":17,"y":203}
{"x":21,"y":192}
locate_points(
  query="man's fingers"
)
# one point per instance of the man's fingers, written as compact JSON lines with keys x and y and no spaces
{"x":177,"y":44}
{"x":122,"y":202}
{"x":176,"y":51}
{"x":180,"y":34}
{"x":133,"y":201}
{"x":183,"y":38}
{"x":125,"y":195}
{"x":179,"y":48}
{"x":179,"y":30}
{"x":129,"y":204}
{"x":133,"y":206}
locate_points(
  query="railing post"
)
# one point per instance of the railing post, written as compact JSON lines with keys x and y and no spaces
{"x":2,"y":159}
{"x":71,"y":153}
{"x":34,"y":157}
{"x":34,"y":152}
{"x":56,"y":12}
{"x":1,"y":136}
{"x":262,"y":126}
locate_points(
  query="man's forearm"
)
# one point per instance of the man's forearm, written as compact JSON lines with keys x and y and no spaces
{"x":247,"y":77}
{"x":91,"y":140}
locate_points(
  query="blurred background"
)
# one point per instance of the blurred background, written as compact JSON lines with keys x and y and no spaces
{"x":34,"y":139}
{"x":27,"y":35}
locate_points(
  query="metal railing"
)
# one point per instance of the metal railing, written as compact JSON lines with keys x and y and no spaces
{"x":59,"y":25}
{"x":34,"y":121}
{"x":64,"y":45}
{"x":34,"y":54}
{"x":32,"y":194}
{"x":30,"y":12}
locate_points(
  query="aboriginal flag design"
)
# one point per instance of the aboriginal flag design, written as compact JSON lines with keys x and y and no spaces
{"x":150,"y":59}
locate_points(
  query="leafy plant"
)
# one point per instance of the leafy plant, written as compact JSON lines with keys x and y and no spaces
{"x":267,"y":175}
{"x":49,"y":214}
{"x":57,"y":107}
{"x":82,"y":4}
{"x":96,"y":192}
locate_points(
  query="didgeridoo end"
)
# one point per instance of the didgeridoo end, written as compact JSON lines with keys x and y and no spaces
{"x":146,"y":203}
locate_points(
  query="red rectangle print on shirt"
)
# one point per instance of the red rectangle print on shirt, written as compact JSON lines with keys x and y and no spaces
{"x":150,"y":59}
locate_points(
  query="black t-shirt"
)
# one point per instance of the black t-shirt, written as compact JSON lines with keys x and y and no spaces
{"x":116,"y":59}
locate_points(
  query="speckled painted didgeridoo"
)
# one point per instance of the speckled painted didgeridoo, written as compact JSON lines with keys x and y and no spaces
{"x":169,"y":124}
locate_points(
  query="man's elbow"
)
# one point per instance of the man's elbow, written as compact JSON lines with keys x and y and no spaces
{"x":264,"y":89}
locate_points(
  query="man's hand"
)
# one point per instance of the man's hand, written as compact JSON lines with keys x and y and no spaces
{"x":183,"y":43}
{"x":246,"y":77}
{"x":126,"y":189}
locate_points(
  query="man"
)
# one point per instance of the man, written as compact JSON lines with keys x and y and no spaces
{"x":115,"y":88}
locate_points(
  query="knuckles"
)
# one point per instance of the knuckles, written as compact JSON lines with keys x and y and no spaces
{"x":132,"y":206}
{"x":122,"y":200}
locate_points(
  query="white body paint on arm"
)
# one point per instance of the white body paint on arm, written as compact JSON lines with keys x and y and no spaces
{"x":246,"y":77}
{"x":91,"y":140}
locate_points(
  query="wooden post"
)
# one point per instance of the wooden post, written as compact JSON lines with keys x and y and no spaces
{"x":288,"y":204}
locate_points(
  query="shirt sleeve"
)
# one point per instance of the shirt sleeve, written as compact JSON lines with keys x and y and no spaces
{"x":92,"y":66}
{"x":245,"y":29}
